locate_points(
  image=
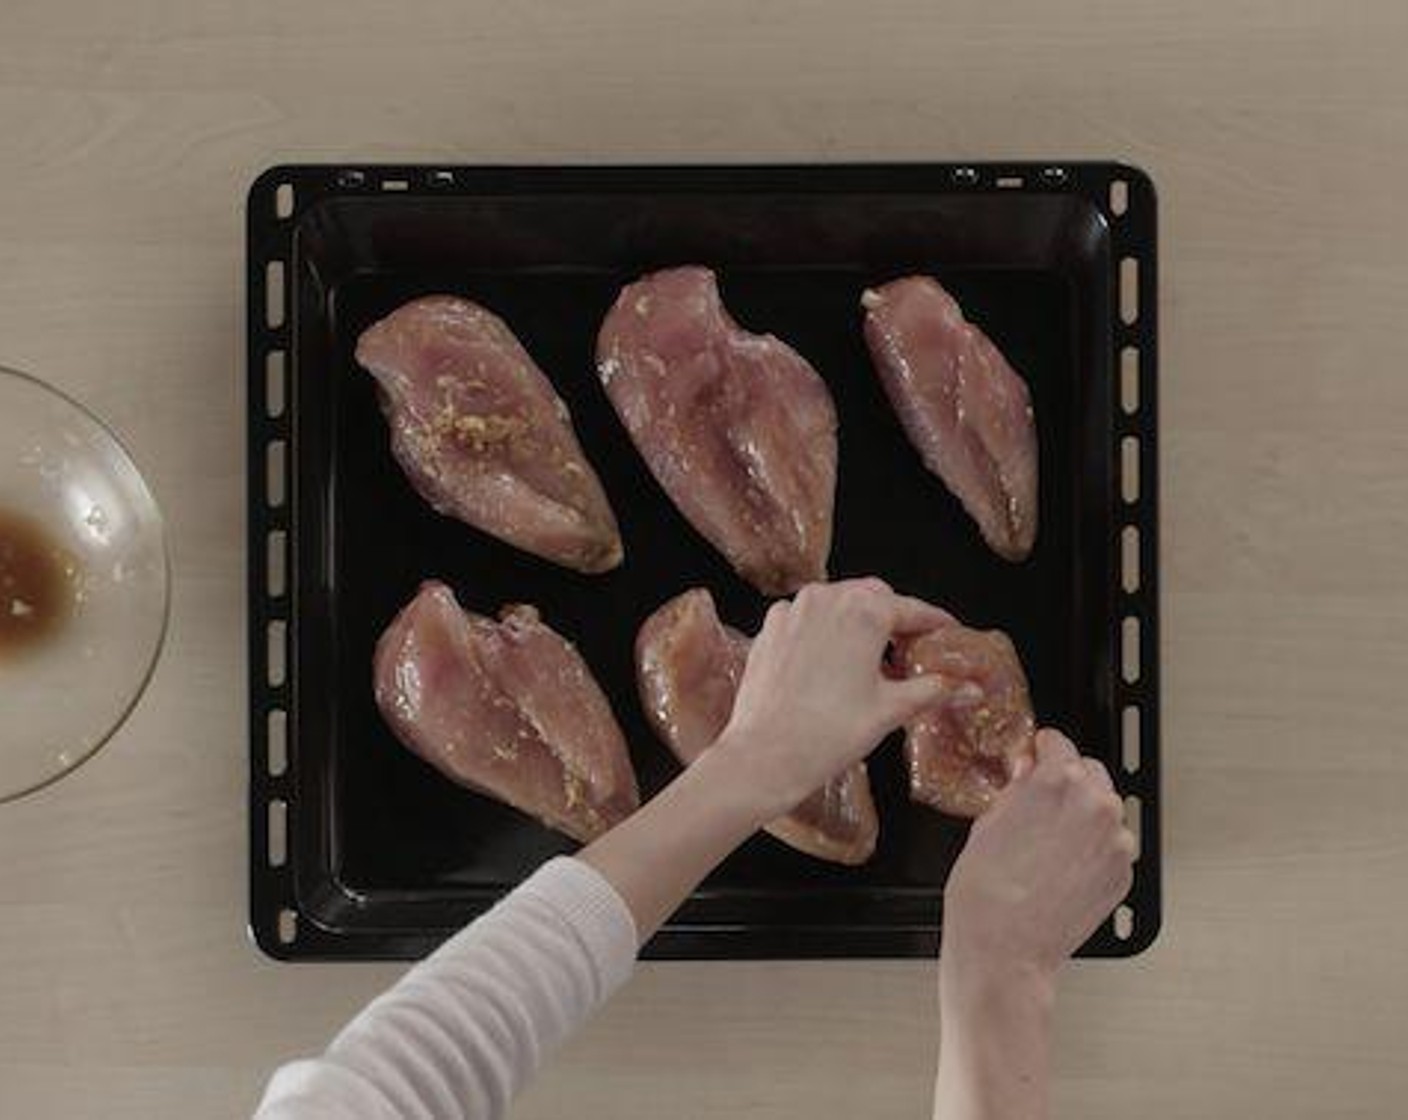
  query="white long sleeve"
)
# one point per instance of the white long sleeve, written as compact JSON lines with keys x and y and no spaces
{"x":460,"y":1034}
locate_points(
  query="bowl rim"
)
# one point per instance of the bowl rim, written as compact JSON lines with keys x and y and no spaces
{"x":159,"y":645}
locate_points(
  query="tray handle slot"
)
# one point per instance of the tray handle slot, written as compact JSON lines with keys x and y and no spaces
{"x":276,"y":564}
{"x":1129,"y":649}
{"x":276,"y":659}
{"x":1129,"y":290}
{"x":276,"y":473}
{"x":275,"y":314}
{"x":1129,"y":469}
{"x":284,"y":200}
{"x":1129,"y":379}
{"x":276,"y":742}
{"x":277,"y":834}
{"x":275,"y":383}
{"x":1131,"y":720}
{"x":1119,"y":197}
{"x":1134,"y":821}
{"x":1129,"y":559}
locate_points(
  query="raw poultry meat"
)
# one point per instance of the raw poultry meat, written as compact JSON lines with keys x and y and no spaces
{"x":963,"y":407}
{"x":737,"y":428}
{"x":507,"y":708}
{"x":689,"y":665}
{"x":962,"y":751}
{"x":482,"y":434}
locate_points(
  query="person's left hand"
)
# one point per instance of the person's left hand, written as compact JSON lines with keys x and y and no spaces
{"x":814,"y":697}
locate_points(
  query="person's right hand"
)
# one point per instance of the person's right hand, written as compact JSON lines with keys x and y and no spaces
{"x":1042,"y":868}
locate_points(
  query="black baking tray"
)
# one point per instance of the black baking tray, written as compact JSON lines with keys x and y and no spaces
{"x":359,"y":850}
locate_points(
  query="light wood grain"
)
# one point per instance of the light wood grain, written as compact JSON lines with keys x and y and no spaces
{"x":1275,"y":130}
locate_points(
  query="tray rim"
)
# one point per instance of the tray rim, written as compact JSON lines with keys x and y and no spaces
{"x":276,"y":922}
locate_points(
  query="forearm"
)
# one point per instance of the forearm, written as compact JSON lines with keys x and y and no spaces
{"x":658,"y":856}
{"x":995,"y":1055}
{"x":463,"y":1030}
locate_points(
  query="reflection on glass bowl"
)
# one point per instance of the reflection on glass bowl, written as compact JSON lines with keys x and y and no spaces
{"x":84,"y":584}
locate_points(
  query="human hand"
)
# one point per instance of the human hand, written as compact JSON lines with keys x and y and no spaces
{"x":814,"y":697}
{"x":1042,"y":868}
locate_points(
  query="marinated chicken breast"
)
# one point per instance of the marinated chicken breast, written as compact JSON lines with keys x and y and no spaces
{"x":689,"y":665}
{"x":963,"y":407}
{"x":483,"y":436}
{"x":507,"y":708}
{"x":962,"y":751}
{"x":737,"y":428}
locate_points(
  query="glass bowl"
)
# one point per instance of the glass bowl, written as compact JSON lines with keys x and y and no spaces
{"x":84,"y":584}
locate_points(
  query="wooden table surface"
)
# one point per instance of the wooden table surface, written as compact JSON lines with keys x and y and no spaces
{"x":1277,"y":131}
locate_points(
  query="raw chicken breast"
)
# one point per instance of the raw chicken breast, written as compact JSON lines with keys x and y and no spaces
{"x":506,"y":708}
{"x":737,"y":428}
{"x":689,"y":665}
{"x":482,"y":434}
{"x":962,"y":406}
{"x":961,"y":752}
